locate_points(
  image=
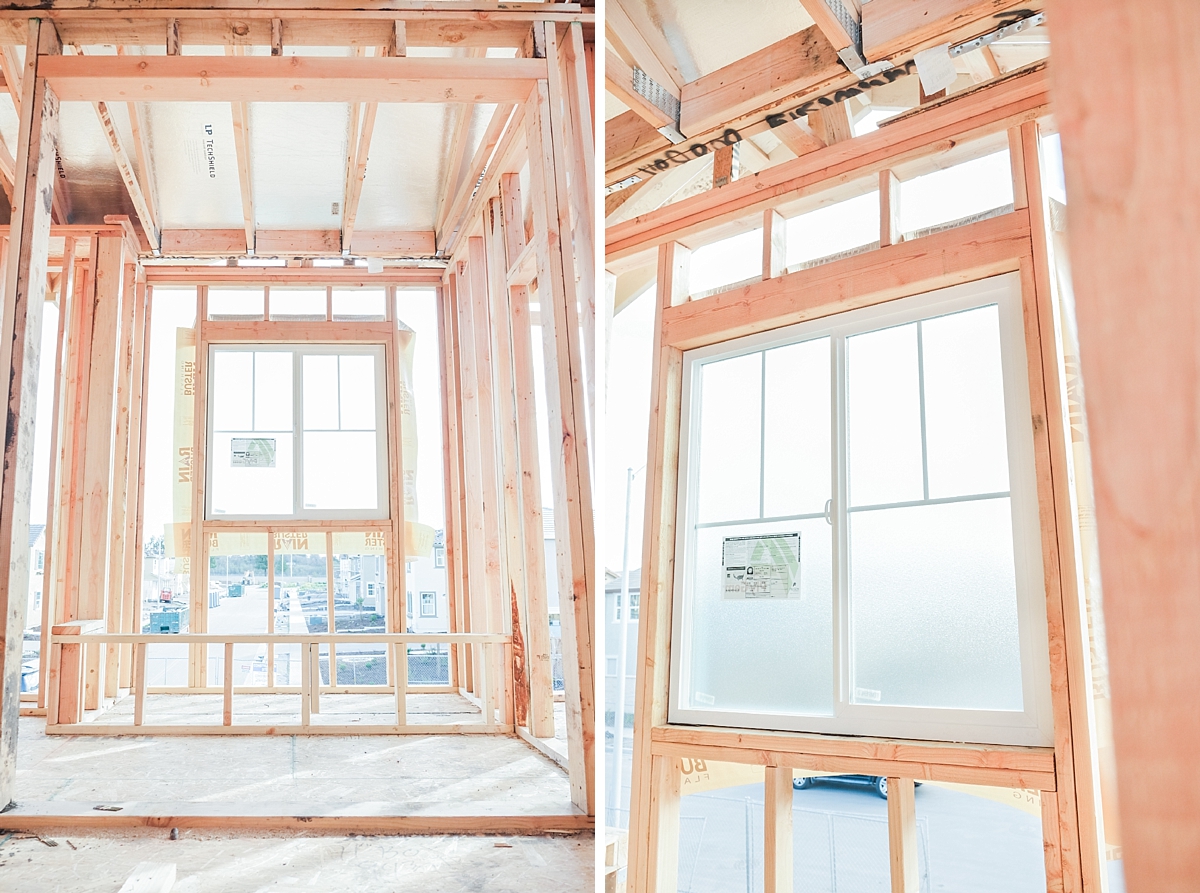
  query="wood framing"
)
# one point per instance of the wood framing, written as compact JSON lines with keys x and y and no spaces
{"x":98,"y":662}
{"x":290,"y":79}
{"x":20,"y":345}
{"x":1009,"y":241}
{"x":1130,"y":262}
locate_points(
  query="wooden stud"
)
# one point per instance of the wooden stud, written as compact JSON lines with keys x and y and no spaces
{"x":306,"y":699}
{"x":270,"y":605}
{"x":466,"y":546}
{"x":777,"y":830}
{"x":451,"y":481}
{"x":514,"y":592}
{"x":567,"y":411}
{"x":774,"y":244}
{"x":1017,"y":161}
{"x":902,"y":835}
{"x":541,"y":684}
{"x":139,"y":683}
{"x":20,"y":345}
{"x":118,"y":485}
{"x":400,"y":674}
{"x":494,"y":558}
{"x":890,"y":232}
{"x":198,"y":559}
{"x":49,"y":590}
{"x":647,"y":857}
{"x":314,"y":667}
{"x":227,"y":714}
{"x":398,"y":45}
{"x":276,"y":37}
{"x":135,"y":530}
{"x":173,"y":45}
{"x":76,"y":385}
{"x":329,"y":605}
{"x":1081,"y":808}
{"x":1052,"y":843}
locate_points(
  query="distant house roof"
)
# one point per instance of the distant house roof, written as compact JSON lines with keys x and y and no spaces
{"x":35,"y":533}
{"x":613,"y":581}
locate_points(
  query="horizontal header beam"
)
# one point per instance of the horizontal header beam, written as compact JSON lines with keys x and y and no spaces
{"x":289,"y":79}
{"x":994,"y":106}
{"x":299,"y":28}
{"x":347,"y":277}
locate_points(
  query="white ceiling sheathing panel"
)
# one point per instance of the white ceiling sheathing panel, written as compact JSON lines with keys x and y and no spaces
{"x":299,"y":153}
{"x":706,"y":35}
{"x":195,"y":165}
{"x":405,"y":167}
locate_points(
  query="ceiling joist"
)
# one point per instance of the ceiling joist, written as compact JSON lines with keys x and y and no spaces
{"x":224,"y":25}
{"x":289,"y":79}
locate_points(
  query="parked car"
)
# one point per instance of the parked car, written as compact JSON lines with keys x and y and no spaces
{"x":877,"y":782}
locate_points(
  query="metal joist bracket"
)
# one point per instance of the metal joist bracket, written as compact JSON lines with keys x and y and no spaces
{"x":1006,"y":30}
{"x":659,"y":97}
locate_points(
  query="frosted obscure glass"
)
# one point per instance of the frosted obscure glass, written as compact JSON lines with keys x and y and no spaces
{"x":233,"y":400}
{"x":357,"y":392}
{"x":933,"y":605}
{"x":251,"y":491}
{"x":730,"y":439}
{"x":273,"y":390}
{"x":320,"y":392}
{"x":884,"y":417}
{"x":797,"y":444}
{"x":762,"y":655}
{"x":964,"y":404}
{"x":340,"y":470}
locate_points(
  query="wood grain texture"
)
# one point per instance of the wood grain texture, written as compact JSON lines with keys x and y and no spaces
{"x":291,"y":79}
{"x":902,"y":836}
{"x":20,"y":347}
{"x":994,"y":107}
{"x":653,"y":850}
{"x":960,"y":255}
{"x":1132,"y":241}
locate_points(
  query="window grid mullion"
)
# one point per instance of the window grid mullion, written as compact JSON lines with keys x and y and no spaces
{"x":839,"y":515}
{"x":921,"y":393}
{"x":762,"y":437}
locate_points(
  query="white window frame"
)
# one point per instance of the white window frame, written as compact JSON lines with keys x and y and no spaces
{"x":432,"y":604}
{"x":299,"y":512}
{"x":1034,"y":725}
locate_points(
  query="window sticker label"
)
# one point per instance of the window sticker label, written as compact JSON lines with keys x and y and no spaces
{"x":253,"y":452}
{"x":764,"y":566}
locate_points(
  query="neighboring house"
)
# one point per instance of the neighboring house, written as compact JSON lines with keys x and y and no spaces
{"x":37,"y":562}
{"x":426,"y":604}
{"x":612,"y":638}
